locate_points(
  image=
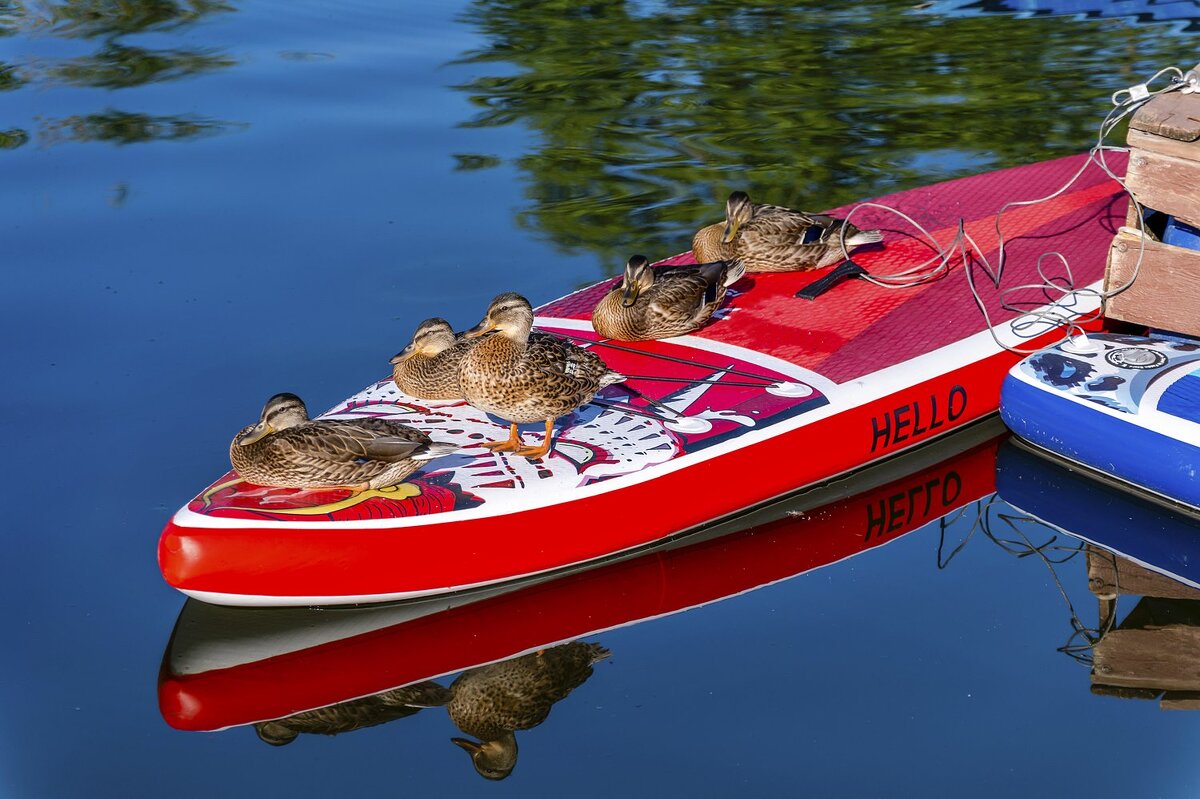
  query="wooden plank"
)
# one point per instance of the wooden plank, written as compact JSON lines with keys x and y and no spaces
{"x":1099,"y":689}
{"x":1110,"y":575}
{"x":1165,"y":183}
{"x":1161,"y":144}
{"x":1180,"y":700}
{"x":1167,"y":290}
{"x":1163,"y":658}
{"x":1173,"y":116}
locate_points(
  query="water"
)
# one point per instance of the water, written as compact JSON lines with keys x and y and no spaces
{"x":204,"y":203}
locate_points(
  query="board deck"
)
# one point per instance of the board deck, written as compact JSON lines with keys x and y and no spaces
{"x":776,"y":394}
{"x":1128,"y":407}
{"x":232,"y":666}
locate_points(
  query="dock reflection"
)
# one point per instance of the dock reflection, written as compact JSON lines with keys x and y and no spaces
{"x":1135,"y":547}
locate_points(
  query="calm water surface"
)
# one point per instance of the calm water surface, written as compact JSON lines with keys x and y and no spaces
{"x":203,"y":203}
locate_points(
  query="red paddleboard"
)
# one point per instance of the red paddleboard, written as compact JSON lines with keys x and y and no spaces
{"x":776,"y":394}
{"x":231,"y":666}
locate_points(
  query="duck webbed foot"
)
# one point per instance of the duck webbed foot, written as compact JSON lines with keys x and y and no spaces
{"x":510,"y":444}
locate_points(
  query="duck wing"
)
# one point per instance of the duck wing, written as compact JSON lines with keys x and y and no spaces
{"x":345,"y":442}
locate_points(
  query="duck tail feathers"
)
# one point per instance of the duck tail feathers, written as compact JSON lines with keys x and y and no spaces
{"x":864,"y":237}
{"x":610,"y":377}
{"x":734,"y":272}
{"x":435,"y":449}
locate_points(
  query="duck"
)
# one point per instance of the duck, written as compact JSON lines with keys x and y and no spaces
{"x":286,"y":449}
{"x":771,"y":238}
{"x":428,"y":367}
{"x":492,"y":702}
{"x":356,"y":714}
{"x":527,"y":378}
{"x":674,"y":301}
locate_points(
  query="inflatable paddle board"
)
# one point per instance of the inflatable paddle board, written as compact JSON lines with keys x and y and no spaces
{"x":776,"y":394}
{"x":1127,"y":406}
{"x":227,"y":666}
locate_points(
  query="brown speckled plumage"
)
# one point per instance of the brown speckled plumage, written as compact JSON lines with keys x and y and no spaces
{"x":527,"y":378}
{"x":286,"y":449}
{"x":671,"y":301}
{"x":428,"y":367}
{"x":492,"y":702}
{"x":771,"y":238}
{"x":356,"y":714}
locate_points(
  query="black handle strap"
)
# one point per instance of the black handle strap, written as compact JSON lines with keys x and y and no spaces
{"x":845,"y":271}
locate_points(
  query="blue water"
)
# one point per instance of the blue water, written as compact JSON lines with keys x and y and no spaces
{"x":204,"y":203}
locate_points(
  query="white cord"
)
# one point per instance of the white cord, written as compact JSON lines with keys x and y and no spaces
{"x":1061,"y":294}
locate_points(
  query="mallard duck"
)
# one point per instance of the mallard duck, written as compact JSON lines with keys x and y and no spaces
{"x":428,"y":367}
{"x":355,"y":714}
{"x":673,"y":301}
{"x":286,"y":449}
{"x":492,"y":702}
{"x":527,"y":378}
{"x":770,"y":238}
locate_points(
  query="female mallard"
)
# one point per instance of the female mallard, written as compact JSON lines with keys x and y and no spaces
{"x":672,"y":302}
{"x":428,"y":367}
{"x":286,"y":449}
{"x":492,"y":702}
{"x":527,"y":378}
{"x":770,"y":238}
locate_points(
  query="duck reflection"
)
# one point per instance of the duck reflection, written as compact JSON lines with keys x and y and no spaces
{"x":490,"y":703}
{"x":369,"y":711}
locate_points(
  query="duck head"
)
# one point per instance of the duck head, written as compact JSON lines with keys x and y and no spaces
{"x":738,"y":211}
{"x":431,"y":337}
{"x":281,"y":412}
{"x":510,"y":314}
{"x":493,"y":760}
{"x":639,"y":276}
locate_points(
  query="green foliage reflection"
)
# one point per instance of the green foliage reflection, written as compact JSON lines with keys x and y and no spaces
{"x":647,"y":114}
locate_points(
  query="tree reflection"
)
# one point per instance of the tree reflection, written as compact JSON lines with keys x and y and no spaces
{"x":115,"y":65}
{"x":121,"y":127}
{"x":118,"y":66}
{"x":647,"y":115}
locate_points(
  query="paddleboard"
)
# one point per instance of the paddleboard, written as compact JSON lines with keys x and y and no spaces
{"x":1127,"y":406}
{"x":230,"y":666}
{"x":775,"y":394}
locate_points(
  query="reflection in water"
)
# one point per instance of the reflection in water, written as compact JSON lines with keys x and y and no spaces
{"x":83,"y":19}
{"x":119,"y":66}
{"x":492,"y":702}
{"x":489,"y":702}
{"x":648,"y":114}
{"x":1154,"y":651}
{"x":356,"y":714}
{"x":114,"y":65}
{"x":121,"y":127}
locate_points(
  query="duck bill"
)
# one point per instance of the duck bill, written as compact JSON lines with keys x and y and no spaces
{"x":469,"y":746}
{"x":254,"y":434}
{"x":629,"y":294}
{"x":731,"y":229}
{"x":404,"y":354}
{"x":480,"y":329}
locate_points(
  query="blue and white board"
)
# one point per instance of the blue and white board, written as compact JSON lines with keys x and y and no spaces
{"x":1127,"y":406}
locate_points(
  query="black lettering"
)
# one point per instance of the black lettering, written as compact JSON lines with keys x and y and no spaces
{"x":885,"y":433}
{"x":917,"y":429}
{"x":947,"y":500}
{"x":901,"y":422}
{"x":961,"y":393}
{"x":894,"y":512}
{"x":874,"y":521}
{"x":932,"y":484}
{"x":935,"y":422}
{"x":912,"y":494}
